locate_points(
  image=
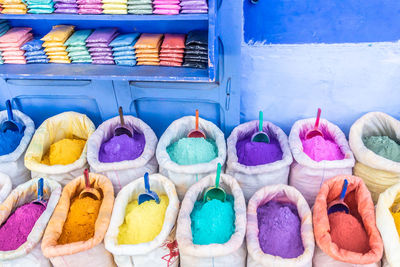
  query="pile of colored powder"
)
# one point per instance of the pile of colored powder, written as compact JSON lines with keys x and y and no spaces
{"x":396,"y":217}
{"x":318,"y":148}
{"x":64,"y":152}
{"x":123,"y":147}
{"x":383,"y":146}
{"x":213,"y":222}
{"x":9,"y":141}
{"x":142,"y":222}
{"x":279,"y":227}
{"x":257,"y":153}
{"x":188,"y":151}
{"x":348,"y":233}
{"x":81,"y":218}
{"x":14,"y":232}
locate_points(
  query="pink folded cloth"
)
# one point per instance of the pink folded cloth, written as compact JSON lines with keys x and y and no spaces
{"x":172,"y":7}
{"x":18,"y":44}
{"x":19,"y":61}
{"x":15,"y":34}
{"x":90,"y":6}
{"x":12,"y":53}
{"x":165,"y":12}
{"x":169,"y":2}
{"x":90,"y":11}
{"x":14,"y":58}
{"x":86,"y":2}
{"x":64,"y":10}
{"x":11,"y":49}
{"x":194,"y":11}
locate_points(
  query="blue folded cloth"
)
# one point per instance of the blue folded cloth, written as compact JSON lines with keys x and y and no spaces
{"x":36,"y":57}
{"x":125,"y":62}
{"x":35,"y":53}
{"x":125,"y":58}
{"x":125,"y":39}
{"x":33,"y":45}
{"x":38,"y":61}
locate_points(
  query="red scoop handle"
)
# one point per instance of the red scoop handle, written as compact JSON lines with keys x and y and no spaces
{"x":197,"y":119}
{"x":87,"y":181}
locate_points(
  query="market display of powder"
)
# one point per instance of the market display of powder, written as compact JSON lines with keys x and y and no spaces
{"x":64,"y":152}
{"x":123,"y":147}
{"x":81,"y":219}
{"x":213,"y":222}
{"x":318,"y":148}
{"x":257,"y":153}
{"x":142,"y":222}
{"x":14,"y":232}
{"x":188,"y":151}
{"x":383,"y":146}
{"x":348,"y":233}
{"x":279,"y":229}
{"x":9,"y":141}
{"x":396,"y":217}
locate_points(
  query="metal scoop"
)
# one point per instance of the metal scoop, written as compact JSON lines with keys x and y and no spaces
{"x":40,"y":200}
{"x":89,"y":191}
{"x":11,"y":124}
{"x":215,"y":192}
{"x":315,"y":131}
{"x":260,"y":136}
{"x":123,"y":128}
{"x":148,"y":195}
{"x":339,"y":205}
{"x":196,"y":133}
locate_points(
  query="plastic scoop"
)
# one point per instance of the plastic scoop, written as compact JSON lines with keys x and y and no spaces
{"x":196,"y":133}
{"x":40,"y":200}
{"x":89,"y":191}
{"x":215,"y":192}
{"x":315,"y":131}
{"x":260,"y":136}
{"x":339,"y":205}
{"x":11,"y":124}
{"x":123,"y":128}
{"x":148,"y":195}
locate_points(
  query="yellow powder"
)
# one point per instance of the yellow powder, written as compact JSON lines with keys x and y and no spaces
{"x":396,"y":217}
{"x":81,"y":218}
{"x":142,"y":222}
{"x":64,"y":152}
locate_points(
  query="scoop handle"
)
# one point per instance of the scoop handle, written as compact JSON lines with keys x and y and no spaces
{"x":197,"y":119}
{"x":218,"y":175}
{"x":121,"y":116}
{"x":40,"y":189}
{"x":344,"y":189}
{"x":260,"y":121}
{"x":87,"y":181}
{"x":318,"y":117}
{"x":146,"y":182}
{"x":9,"y":110}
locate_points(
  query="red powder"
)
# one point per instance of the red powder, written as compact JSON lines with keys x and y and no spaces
{"x":348,"y":233}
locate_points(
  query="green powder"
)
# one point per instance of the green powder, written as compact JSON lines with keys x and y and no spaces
{"x":188,"y":151}
{"x":383,"y":146}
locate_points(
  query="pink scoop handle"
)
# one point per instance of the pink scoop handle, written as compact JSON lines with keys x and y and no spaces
{"x":317,"y":120}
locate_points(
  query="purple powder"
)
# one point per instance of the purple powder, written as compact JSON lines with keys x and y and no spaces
{"x":256,"y":153}
{"x":120,"y":148}
{"x":279,"y":229}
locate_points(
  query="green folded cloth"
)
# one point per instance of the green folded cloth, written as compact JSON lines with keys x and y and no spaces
{"x":39,"y":2}
{"x":140,"y":2}
{"x":135,"y":11}
{"x":41,"y":6}
{"x":144,"y":7}
{"x":41,"y":10}
{"x":78,"y":38}
{"x":81,"y":58}
{"x":77,"y":48}
{"x":82,"y":61}
{"x":78,"y":53}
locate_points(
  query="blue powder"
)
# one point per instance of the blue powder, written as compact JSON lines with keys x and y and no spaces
{"x":188,"y":151}
{"x":213,"y":222}
{"x":9,"y":141}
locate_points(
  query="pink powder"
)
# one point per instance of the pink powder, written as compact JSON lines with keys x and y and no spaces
{"x":15,"y":231}
{"x":318,"y":148}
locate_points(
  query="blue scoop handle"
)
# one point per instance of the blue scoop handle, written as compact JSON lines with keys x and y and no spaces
{"x":40,"y":189}
{"x":146,"y":182}
{"x":9,"y":111}
{"x":344,"y":189}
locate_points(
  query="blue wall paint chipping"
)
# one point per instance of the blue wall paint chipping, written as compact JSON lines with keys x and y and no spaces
{"x":321,"y":21}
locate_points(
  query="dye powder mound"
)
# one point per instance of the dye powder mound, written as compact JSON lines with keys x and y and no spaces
{"x":213,"y":222}
{"x":188,"y":151}
{"x":64,"y":152}
{"x":396,"y":217}
{"x":318,"y":148}
{"x":257,"y":153}
{"x":383,"y":146}
{"x":9,"y":141}
{"x":279,"y":229}
{"x":142,"y":222}
{"x":348,"y":233}
{"x":15,"y":231}
{"x":81,"y":218}
{"x":123,"y":147}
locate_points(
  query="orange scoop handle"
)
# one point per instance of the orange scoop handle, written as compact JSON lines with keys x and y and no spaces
{"x":197,"y":119}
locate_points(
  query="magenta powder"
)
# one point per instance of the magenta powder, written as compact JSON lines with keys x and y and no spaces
{"x":15,"y":231}
{"x":123,"y":147}
{"x":279,"y":229}
{"x":318,"y":148}
{"x":256,"y":153}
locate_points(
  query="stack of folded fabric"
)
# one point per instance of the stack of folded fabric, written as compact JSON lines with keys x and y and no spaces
{"x":11,"y":42}
{"x":140,"y":7}
{"x":89,"y":6}
{"x":34,"y":52}
{"x":115,"y":7}
{"x":76,"y":47}
{"x":66,"y":6}
{"x":196,"y":50}
{"x":40,"y":6}
{"x":147,"y":49}
{"x":194,"y":6}
{"x":166,"y":7}
{"x":123,"y":50}
{"x":172,"y":50}
{"x":99,"y":45}
{"x":13,"y":7}
{"x":4,"y":26}
{"x":54,"y":43}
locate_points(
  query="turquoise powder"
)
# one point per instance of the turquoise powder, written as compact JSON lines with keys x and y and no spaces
{"x":188,"y":151}
{"x":383,"y":146}
{"x":213,"y":222}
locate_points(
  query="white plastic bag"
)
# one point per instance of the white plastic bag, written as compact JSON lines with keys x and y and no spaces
{"x":231,"y":253}
{"x":5,"y":186}
{"x":29,"y":253}
{"x":184,"y":176}
{"x":308,"y":175}
{"x":123,"y":172}
{"x":13,"y":164}
{"x":377,"y":172}
{"x":162,"y":250}
{"x":252,"y":178}
{"x":256,"y":257}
